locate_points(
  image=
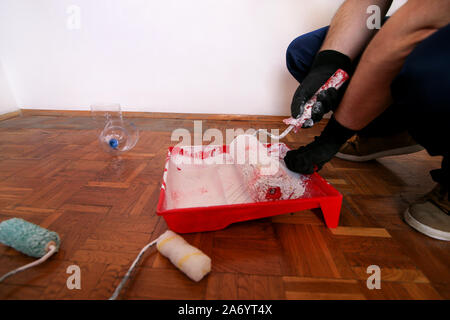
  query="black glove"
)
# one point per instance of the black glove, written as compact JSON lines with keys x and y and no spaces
{"x":305,"y":159}
{"x":325,"y":64}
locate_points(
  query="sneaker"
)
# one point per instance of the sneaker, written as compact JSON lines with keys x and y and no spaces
{"x":430,"y":215}
{"x":361,"y":149}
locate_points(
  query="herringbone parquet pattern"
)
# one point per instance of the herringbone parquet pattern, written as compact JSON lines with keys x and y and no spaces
{"x":53,"y":173}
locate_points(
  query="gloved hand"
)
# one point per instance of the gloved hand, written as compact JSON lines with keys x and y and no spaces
{"x":305,"y":159}
{"x":325,"y":64}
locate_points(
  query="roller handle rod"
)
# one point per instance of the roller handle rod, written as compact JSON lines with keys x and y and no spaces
{"x":130,"y":270}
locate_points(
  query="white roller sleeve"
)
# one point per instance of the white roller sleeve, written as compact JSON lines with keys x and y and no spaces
{"x":193,"y":262}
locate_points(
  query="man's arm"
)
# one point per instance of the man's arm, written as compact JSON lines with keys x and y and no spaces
{"x":346,"y":38}
{"x":368,"y":94}
{"x":348,"y":32}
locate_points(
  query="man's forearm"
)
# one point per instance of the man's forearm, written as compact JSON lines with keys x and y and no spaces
{"x":368,"y":94}
{"x":348,"y":31}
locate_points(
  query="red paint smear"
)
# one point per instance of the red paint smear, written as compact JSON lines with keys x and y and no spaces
{"x":273,"y":193}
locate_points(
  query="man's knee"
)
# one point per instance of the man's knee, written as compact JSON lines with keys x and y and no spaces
{"x":301,"y":52}
{"x":296,"y":58}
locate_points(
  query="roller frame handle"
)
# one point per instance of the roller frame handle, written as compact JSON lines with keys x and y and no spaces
{"x":335,"y":81}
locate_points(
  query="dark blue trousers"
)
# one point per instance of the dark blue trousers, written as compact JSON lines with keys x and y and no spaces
{"x":421,"y":93}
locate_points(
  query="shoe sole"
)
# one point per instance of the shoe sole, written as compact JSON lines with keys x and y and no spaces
{"x":381,"y":154}
{"x":422,"y":228}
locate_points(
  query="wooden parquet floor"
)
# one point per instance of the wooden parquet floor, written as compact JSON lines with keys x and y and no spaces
{"x":53,"y":173}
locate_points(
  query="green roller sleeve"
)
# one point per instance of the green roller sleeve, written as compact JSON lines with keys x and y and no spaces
{"x":27,"y":237}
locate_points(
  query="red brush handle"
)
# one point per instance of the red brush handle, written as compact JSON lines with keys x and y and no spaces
{"x":335,"y":81}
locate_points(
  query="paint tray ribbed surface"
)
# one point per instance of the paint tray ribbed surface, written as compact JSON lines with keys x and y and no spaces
{"x":207,"y":188}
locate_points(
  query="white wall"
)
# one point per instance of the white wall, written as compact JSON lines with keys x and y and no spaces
{"x":202,"y":56}
{"x":7,"y":101}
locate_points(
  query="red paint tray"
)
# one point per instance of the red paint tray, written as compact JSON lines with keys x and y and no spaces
{"x":318,"y":194}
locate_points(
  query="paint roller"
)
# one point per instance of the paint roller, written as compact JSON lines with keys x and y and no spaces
{"x":29,"y":239}
{"x":264,"y":176}
{"x":38,"y":242}
{"x":190,"y":260}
